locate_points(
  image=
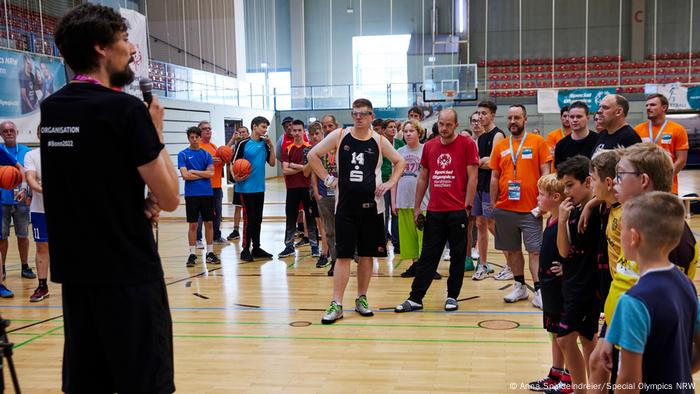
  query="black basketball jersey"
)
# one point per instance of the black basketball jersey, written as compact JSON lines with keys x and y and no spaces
{"x":359,"y":174}
{"x":485,"y":144}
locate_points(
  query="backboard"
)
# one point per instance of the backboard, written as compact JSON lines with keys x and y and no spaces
{"x":456,"y":82}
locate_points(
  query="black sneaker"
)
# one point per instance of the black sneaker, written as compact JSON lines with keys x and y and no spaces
{"x":28,"y":273}
{"x":212,"y":259}
{"x":259,"y":253}
{"x":410,"y":272}
{"x":437,"y":276}
{"x":234,"y":235}
{"x":304,"y":241}
{"x":288,"y":251}
{"x":192,"y":260}
{"x":246,"y":256}
{"x":322,"y":262}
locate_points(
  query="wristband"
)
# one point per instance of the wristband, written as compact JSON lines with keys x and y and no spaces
{"x":328,"y":182}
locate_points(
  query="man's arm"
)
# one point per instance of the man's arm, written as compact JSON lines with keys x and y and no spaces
{"x":563,"y":241}
{"x":205,"y":174}
{"x":399,"y":165}
{"x":472,"y":174}
{"x":493,"y":187}
{"x":33,"y":183}
{"x":314,"y":184}
{"x":291,"y":168}
{"x":421,"y":187}
{"x":629,"y":376}
{"x":545,"y":169}
{"x":679,"y":163}
{"x":320,"y":150}
{"x":485,"y":162}
{"x":271,"y":158}
{"x":189,"y":175}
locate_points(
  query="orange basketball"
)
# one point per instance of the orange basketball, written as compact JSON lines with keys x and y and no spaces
{"x":225,"y":153}
{"x":242,"y":168}
{"x":10,"y":177}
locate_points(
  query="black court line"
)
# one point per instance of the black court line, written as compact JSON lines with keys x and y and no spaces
{"x":468,"y":298}
{"x":387,"y":309}
{"x":505,"y":287}
{"x":193,"y":276}
{"x":311,"y":310}
{"x":248,"y":306}
{"x":34,"y":324}
{"x":532,"y":289}
{"x":200,"y":296}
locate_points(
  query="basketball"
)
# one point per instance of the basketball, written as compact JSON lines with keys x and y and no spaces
{"x":225,"y":153}
{"x":241,"y":168}
{"x":10,"y":177}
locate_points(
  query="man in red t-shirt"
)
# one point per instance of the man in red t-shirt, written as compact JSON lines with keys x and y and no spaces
{"x":449,"y":165}
{"x":293,"y":163}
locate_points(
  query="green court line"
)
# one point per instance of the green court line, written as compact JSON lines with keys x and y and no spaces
{"x":51,"y":331}
{"x":290,"y":265}
{"x":398,"y":263}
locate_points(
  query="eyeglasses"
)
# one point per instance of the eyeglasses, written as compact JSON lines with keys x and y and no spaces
{"x":474,"y":121}
{"x":360,"y":114}
{"x":618,"y":175}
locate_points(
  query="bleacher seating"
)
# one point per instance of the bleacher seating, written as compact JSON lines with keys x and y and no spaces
{"x":25,"y":30}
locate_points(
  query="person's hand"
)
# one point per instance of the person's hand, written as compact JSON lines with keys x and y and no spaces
{"x":602,"y":355}
{"x":416,"y":213}
{"x":151,"y":208}
{"x":20,"y":195}
{"x":28,"y":200}
{"x":583,"y":220}
{"x":317,"y":196}
{"x":557,"y":269}
{"x":383,"y":188}
{"x":331,"y":181}
{"x":240,"y":179}
{"x":565,"y":210}
{"x":157,"y":115}
{"x":393,"y":209}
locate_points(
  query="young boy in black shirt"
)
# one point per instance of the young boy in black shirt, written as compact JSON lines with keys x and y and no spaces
{"x":581,"y":310}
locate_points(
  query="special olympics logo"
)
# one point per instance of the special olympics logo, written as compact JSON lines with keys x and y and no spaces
{"x":599,"y":97}
{"x":444,"y":160}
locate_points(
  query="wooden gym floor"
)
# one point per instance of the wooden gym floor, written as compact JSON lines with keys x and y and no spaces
{"x":255,"y":327}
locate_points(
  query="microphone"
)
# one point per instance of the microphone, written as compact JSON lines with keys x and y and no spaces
{"x":146,"y":86}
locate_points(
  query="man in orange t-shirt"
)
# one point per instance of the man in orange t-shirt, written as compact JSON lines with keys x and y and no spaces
{"x":517,"y":163}
{"x":667,"y":134}
{"x":207,"y":145}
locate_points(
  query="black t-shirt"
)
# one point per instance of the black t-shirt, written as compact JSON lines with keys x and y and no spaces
{"x":580,"y":267}
{"x":485,"y":144}
{"x":624,"y":136}
{"x":92,"y":141}
{"x":357,"y":175}
{"x":568,"y":147}
{"x":550,"y":284}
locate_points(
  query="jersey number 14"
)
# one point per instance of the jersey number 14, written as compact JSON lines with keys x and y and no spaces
{"x":357,"y":175}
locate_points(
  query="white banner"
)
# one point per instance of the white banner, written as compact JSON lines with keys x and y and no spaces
{"x":139,"y":37}
{"x":676,"y":94}
{"x":547,"y":101}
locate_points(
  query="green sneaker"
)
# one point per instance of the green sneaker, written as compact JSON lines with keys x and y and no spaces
{"x":362,"y":306}
{"x":333,"y":313}
{"x":468,"y":264}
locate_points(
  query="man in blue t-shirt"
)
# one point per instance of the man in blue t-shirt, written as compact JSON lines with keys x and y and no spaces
{"x":6,"y":159}
{"x":15,"y":203}
{"x":197,"y":167}
{"x":258,"y":150}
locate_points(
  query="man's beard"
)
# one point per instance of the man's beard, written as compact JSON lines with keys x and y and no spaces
{"x":122,"y":78}
{"x":518,"y":131}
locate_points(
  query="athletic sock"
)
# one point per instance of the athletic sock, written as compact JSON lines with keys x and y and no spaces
{"x":537,"y":285}
{"x":25,"y":266}
{"x":520,"y":279}
{"x":235,"y":228}
{"x":43,"y":284}
{"x":210,"y":248}
{"x":193,"y":249}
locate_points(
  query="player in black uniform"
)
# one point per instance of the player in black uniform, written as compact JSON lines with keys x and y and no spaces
{"x":360,"y":206}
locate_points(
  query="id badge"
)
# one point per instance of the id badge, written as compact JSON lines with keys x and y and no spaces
{"x":527,"y":154}
{"x":330,"y":192}
{"x":514,"y":190}
{"x":666,"y":139}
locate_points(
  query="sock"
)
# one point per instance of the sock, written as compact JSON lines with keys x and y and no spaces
{"x":25,"y":266}
{"x":537,"y":285}
{"x":43,"y":284}
{"x":520,"y":279}
{"x":210,"y":248}
{"x":193,"y":249}
{"x":235,"y":228}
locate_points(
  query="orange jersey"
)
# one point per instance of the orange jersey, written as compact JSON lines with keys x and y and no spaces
{"x":534,"y":153}
{"x":553,"y":137}
{"x":673,"y":138}
{"x":218,"y":167}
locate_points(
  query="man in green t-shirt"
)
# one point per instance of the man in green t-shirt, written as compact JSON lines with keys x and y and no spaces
{"x":390,"y":127}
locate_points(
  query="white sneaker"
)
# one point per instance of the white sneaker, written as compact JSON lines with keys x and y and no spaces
{"x":537,"y":299}
{"x":446,"y":255}
{"x":475,"y":254}
{"x":504,"y":274}
{"x":519,"y":293}
{"x":481,"y":273}
{"x":200,"y":245}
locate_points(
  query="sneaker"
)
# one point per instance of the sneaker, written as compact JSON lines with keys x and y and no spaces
{"x":288,"y":251}
{"x":333,"y":313}
{"x":451,"y":304}
{"x":39,"y":294}
{"x":314,"y":251}
{"x":505,"y":274}
{"x":332,"y":269}
{"x":546,"y":383}
{"x":192,"y":260}
{"x":408,"y":306}
{"x":5,"y":292}
{"x":212,"y":259}
{"x":475,"y":254}
{"x":200,"y":245}
{"x":260,"y":253}
{"x":537,"y":299}
{"x":468,"y":264}
{"x":362,"y":306}
{"x":246,"y":256}
{"x":446,"y":255}
{"x":28,"y":273}
{"x":519,"y":293}
{"x":221,"y":241}
{"x":303,"y":242}
{"x":481,"y":272}
{"x":322,"y":261}
{"x":234,"y":235}
{"x":299,"y":234}
{"x":437,"y":276}
{"x":410,"y":271}
{"x":562,"y":387}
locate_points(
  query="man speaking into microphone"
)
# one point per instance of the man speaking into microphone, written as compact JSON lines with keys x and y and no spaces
{"x":99,"y":149}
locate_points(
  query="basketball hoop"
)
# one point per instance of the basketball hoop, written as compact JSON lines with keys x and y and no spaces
{"x":450,"y":95}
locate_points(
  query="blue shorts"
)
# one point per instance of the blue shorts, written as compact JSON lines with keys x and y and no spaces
{"x":39,"y":225}
{"x":482,"y":205}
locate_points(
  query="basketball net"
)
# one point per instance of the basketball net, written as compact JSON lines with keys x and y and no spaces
{"x":450,"y":96}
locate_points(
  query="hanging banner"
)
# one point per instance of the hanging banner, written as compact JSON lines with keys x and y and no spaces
{"x":139,"y":37}
{"x":694,"y":97}
{"x":550,"y":101}
{"x":679,"y":97}
{"x":26,"y":80}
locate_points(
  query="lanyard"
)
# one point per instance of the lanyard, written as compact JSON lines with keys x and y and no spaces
{"x":85,"y":78}
{"x":651,"y":134}
{"x":562,"y":133}
{"x":514,"y":157}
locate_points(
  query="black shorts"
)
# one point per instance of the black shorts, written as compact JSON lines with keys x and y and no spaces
{"x":237,"y":200}
{"x":118,"y":338}
{"x":550,"y":322}
{"x":199,"y":205}
{"x":363,"y":232}
{"x":580,"y":317}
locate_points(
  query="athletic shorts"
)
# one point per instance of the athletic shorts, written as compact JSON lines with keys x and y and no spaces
{"x":581,"y":318}
{"x":363,"y":232}
{"x":482,"y":205}
{"x":39,"y":227}
{"x":550,"y":322}
{"x":514,"y":228}
{"x":237,"y":200}
{"x":118,"y":338}
{"x":199,"y":205}
{"x":17,"y":214}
